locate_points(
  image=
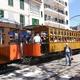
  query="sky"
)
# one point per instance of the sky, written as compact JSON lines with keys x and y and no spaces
{"x":74,"y":9}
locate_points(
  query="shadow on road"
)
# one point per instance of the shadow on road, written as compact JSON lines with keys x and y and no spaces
{"x":75,"y":78}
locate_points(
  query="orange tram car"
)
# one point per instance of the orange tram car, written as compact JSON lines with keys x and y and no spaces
{"x":9,"y":47}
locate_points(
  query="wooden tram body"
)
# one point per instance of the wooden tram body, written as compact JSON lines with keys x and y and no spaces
{"x":53,"y":41}
{"x":56,"y":38}
{"x":9,"y":49}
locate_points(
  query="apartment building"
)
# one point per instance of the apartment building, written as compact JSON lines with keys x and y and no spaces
{"x":31,"y":12}
{"x":36,"y":12}
{"x":56,"y":13}
{"x":24,"y":12}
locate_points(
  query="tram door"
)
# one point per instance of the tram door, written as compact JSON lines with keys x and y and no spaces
{"x":43,"y":31}
{"x":44,"y":43}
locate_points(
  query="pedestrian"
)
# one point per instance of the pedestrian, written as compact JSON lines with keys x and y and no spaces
{"x":37,"y":38}
{"x":68,"y":54}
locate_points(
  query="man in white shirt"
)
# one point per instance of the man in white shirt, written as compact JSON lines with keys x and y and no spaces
{"x":37,"y":39}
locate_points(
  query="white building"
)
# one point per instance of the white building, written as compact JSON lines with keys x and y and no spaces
{"x":25,"y":12}
{"x":56,"y":13}
{"x":30,"y":12}
{"x":36,"y":12}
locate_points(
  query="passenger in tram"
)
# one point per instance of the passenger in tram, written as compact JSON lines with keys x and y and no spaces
{"x":24,"y":37}
{"x":68,"y":54}
{"x":27,"y":37}
{"x":43,"y":37}
{"x":16,"y":37}
{"x":44,"y":42}
{"x":37,"y":38}
{"x":55,"y":40}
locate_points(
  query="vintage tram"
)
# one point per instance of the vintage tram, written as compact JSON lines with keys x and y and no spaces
{"x":53,"y":40}
{"x":9,"y":47}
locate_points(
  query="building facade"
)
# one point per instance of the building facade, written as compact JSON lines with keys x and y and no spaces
{"x":31,"y":12}
{"x":24,"y":12}
{"x":36,"y":12}
{"x":56,"y":13}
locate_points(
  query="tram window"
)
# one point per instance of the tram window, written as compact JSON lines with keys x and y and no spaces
{"x":51,"y":33}
{"x":79,"y":34}
{"x":11,"y":34}
{"x":64,"y":33}
{"x":1,"y":37}
{"x":70,"y":34}
{"x":51,"y":38}
{"x":55,"y":39}
{"x":59,"y":32}
{"x":74,"y":34}
{"x":54,"y":32}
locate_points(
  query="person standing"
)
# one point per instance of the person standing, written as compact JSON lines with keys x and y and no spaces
{"x":68,"y":54}
{"x":37,"y":45}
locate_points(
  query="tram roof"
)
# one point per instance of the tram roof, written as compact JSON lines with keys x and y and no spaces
{"x":36,"y":26}
{"x":45,"y":26}
{"x":9,"y":25}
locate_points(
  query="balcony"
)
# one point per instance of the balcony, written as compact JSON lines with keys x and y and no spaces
{"x":56,"y":11}
{"x":54,"y":24}
{"x":37,"y":1}
{"x":56,"y":20}
{"x":60,"y":2}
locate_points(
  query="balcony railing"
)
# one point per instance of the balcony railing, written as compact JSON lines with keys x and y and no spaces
{"x":61,"y":21}
{"x":55,"y":9}
{"x":61,"y":1}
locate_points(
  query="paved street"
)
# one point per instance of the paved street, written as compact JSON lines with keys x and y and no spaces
{"x":54,"y":70}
